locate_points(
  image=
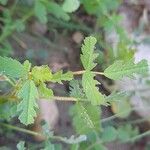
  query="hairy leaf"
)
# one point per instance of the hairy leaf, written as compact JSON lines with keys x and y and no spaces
{"x":59,"y":76}
{"x":85,"y":118}
{"x":88,"y":56}
{"x":90,"y":89}
{"x":70,"y":5}
{"x":75,"y":89}
{"x":44,"y":91}
{"x":28,"y":94}
{"x":41,"y":73}
{"x":120,"y":69}
{"x":11,"y":68}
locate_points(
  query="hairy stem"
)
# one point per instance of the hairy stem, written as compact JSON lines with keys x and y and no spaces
{"x":83,"y":71}
{"x":61,"y":98}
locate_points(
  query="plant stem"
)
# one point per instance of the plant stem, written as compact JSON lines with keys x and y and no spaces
{"x":83,"y":71}
{"x":33,"y":133}
{"x":61,"y":98}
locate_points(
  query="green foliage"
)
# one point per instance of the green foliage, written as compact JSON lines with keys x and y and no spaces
{"x":8,"y":110}
{"x":11,"y":68}
{"x":28,"y":94}
{"x":40,"y":11}
{"x":21,"y":145}
{"x":70,"y":5}
{"x":76,"y":90}
{"x":90,"y":89}
{"x":88,"y":56}
{"x":109,"y":134}
{"x":30,"y":83}
{"x":60,"y":76}
{"x":85,"y":118}
{"x":126,"y":132}
{"x":120,"y":69}
{"x":122,"y":108}
{"x":99,"y":7}
{"x":56,"y":10}
{"x":44,"y":91}
{"x":41,"y":73}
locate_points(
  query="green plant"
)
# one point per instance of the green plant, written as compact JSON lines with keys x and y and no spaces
{"x":29,"y":83}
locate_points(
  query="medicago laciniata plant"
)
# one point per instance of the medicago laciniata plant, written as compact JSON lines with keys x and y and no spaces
{"x":29,"y":83}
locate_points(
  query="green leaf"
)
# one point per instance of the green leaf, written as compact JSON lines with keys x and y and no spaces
{"x":59,"y":76}
{"x":21,"y":145}
{"x":41,"y":73}
{"x":49,"y":146}
{"x":90,"y":89}
{"x":57,"y":11}
{"x":27,"y":65}
{"x":120,"y":69}
{"x":70,"y":5}
{"x":28,"y":94}
{"x":85,"y":118}
{"x":40,"y":11}
{"x":109,"y":134}
{"x":76,"y":90}
{"x":126,"y":132}
{"x":11,"y":68}
{"x":91,"y":6}
{"x":44,"y":91}
{"x":88,"y":56}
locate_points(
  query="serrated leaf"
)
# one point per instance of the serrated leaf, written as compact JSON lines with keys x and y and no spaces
{"x":86,"y":118}
{"x":121,"y":69}
{"x":21,"y":145}
{"x":60,"y":76}
{"x":40,"y":11}
{"x":57,"y":11}
{"x":41,"y":73}
{"x":76,"y":90}
{"x":11,"y":67}
{"x":70,"y":5}
{"x":88,"y":56}
{"x":28,"y":94}
{"x":44,"y":91}
{"x":91,"y":91}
